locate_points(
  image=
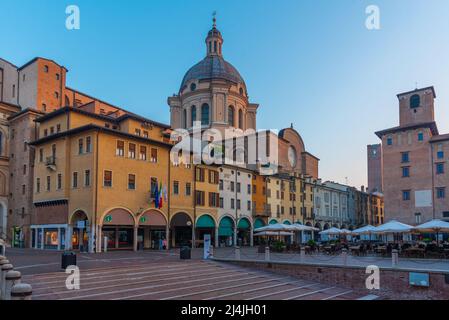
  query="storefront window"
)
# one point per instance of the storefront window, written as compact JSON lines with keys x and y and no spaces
{"x":39,"y":238}
{"x":51,"y":238}
{"x":110,"y":234}
{"x":62,"y":239}
{"x":125,"y":238}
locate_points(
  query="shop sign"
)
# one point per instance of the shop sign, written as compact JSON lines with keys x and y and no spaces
{"x":108,"y":219}
{"x":80,"y":225}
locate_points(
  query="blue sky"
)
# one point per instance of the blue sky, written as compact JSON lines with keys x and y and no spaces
{"x":309,"y":62}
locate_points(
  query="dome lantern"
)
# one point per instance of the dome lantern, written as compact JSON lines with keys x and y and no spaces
{"x":214,"y":40}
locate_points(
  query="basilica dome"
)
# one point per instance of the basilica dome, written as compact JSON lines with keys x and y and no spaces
{"x":213,"y":66}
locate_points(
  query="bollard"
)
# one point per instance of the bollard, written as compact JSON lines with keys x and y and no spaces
{"x":21,"y":291}
{"x":5,"y":269}
{"x":394,"y":258}
{"x":12,"y":278}
{"x":2,"y":262}
{"x":105,"y":244}
{"x":211,"y":252}
{"x":237,"y":253}
{"x":302,"y":254}
{"x":267,"y":254}
{"x":344,"y":256}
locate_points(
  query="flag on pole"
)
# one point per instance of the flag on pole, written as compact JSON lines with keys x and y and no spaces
{"x":156,"y":197}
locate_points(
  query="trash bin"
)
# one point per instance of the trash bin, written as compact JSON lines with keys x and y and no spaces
{"x":185,"y":253}
{"x":68,"y":259}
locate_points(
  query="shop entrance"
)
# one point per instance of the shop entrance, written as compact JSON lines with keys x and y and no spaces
{"x":226,"y":232}
{"x":80,"y":231}
{"x":204,"y":225}
{"x":152,"y":231}
{"x":181,"y":230}
{"x":118,"y":227}
{"x":243,"y":232}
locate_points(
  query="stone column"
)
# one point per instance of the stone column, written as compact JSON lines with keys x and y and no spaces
{"x":59,"y":239}
{"x":99,"y":239}
{"x":167,"y":236}
{"x":267,"y":253}
{"x":216,"y":238}
{"x":235,"y":236}
{"x":42,"y":239}
{"x":237,"y":253}
{"x":251,"y":237}
{"x":135,"y":238}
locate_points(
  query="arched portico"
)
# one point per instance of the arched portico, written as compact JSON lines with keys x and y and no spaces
{"x":226,"y":232}
{"x":78,"y":230}
{"x":181,"y":227}
{"x":152,"y":230}
{"x":205,"y":224}
{"x":244,"y":232}
{"x":119,"y":227}
{"x":273,"y":221}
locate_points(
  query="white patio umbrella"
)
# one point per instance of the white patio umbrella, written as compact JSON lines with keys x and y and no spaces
{"x":345,"y":231}
{"x":278,"y":227}
{"x":393,"y":227}
{"x":331,"y":231}
{"x":272,"y":233}
{"x":369,"y":230}
{"x":433,"y":226}
{"x":301,"y":227}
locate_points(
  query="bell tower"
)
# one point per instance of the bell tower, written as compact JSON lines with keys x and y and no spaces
{"x":214,"y":40}
{"x":416,"y":106}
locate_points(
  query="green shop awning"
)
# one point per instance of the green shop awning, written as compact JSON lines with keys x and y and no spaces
{"x":258,"y":223}
{"x":244,"y":224}
{"x":226,"y":228}
{"x":205,"y":221}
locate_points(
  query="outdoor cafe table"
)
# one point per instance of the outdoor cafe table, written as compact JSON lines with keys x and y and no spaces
{"x":415,"y":251}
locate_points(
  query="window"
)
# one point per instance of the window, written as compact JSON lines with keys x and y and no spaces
{"x":248,"y":205}
{"x":120,"y":151}
{"x":231,"y":116}
{"x":56,"y":95}
{"x":153,"y":155}
{"x":389,"y":141}
{"x":405,"y":172}
{"x":41,"y":155}
{"x":75,"y":180}
{"x":221,"y":202}
{"x":88,"y":144}
{"x":254,"y":188}
{"x":192,"y":87}
{"x":205,"y":114}
{"x":232,"y":186}
{"x":58,"y":128}
{"x":184,"y":118}
{"x":107,"y":178}
{"x":420,"y":136}
{"x":45,"y":132}
{"x":440,"y":155}
{"x":248,"y":189}
{"x":405,"y":157}
{"x":418,"y":218}
{"x":232,"y":204}
{"x":132,"y":151}
{"x":415,"y":101}
{"x":38,"y":185}
{"x":440,"y":168}
{"x":23,"y":78}
{"x":57,"y":76}
{"x":13,"y":90}
{"x":23,"y":188}
{"x":131,"y":181}
{"x":59,"y":181}
{"x":145,"y":134}
{"x":175,"y":187}
{"x":44,"y":107}
{"x":138,"y":132}
{"x":52,"y":130}
{"x":199,"y":198}
{"x":188,"y":189}
{"x":238,"y":187}
{"x":441,"y":193}
{"x":153,"y":187}
{"x":238,"y":204}
{"x":80,"y":146}
{"x":24,"y":169}
{"x":143,"y":153}
{"x":220,"y":185}
{"x":193,"y":114}
{"x":240,"y":119}
{"x":214,"y":200}
{"x":406,"y":195}
{"x":87,"y":178}
{"x":213,"y":177}
{"x":48,"y":183}
{"x":46,"y":69}
{"x":200,"y":174}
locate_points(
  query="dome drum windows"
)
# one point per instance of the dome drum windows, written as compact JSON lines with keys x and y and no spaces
{"x":205,"y":118}
{"x":231,"y":116}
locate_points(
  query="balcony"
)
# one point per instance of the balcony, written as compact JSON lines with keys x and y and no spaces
{"x":50,"y":163}
{"x":264,"y":213}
